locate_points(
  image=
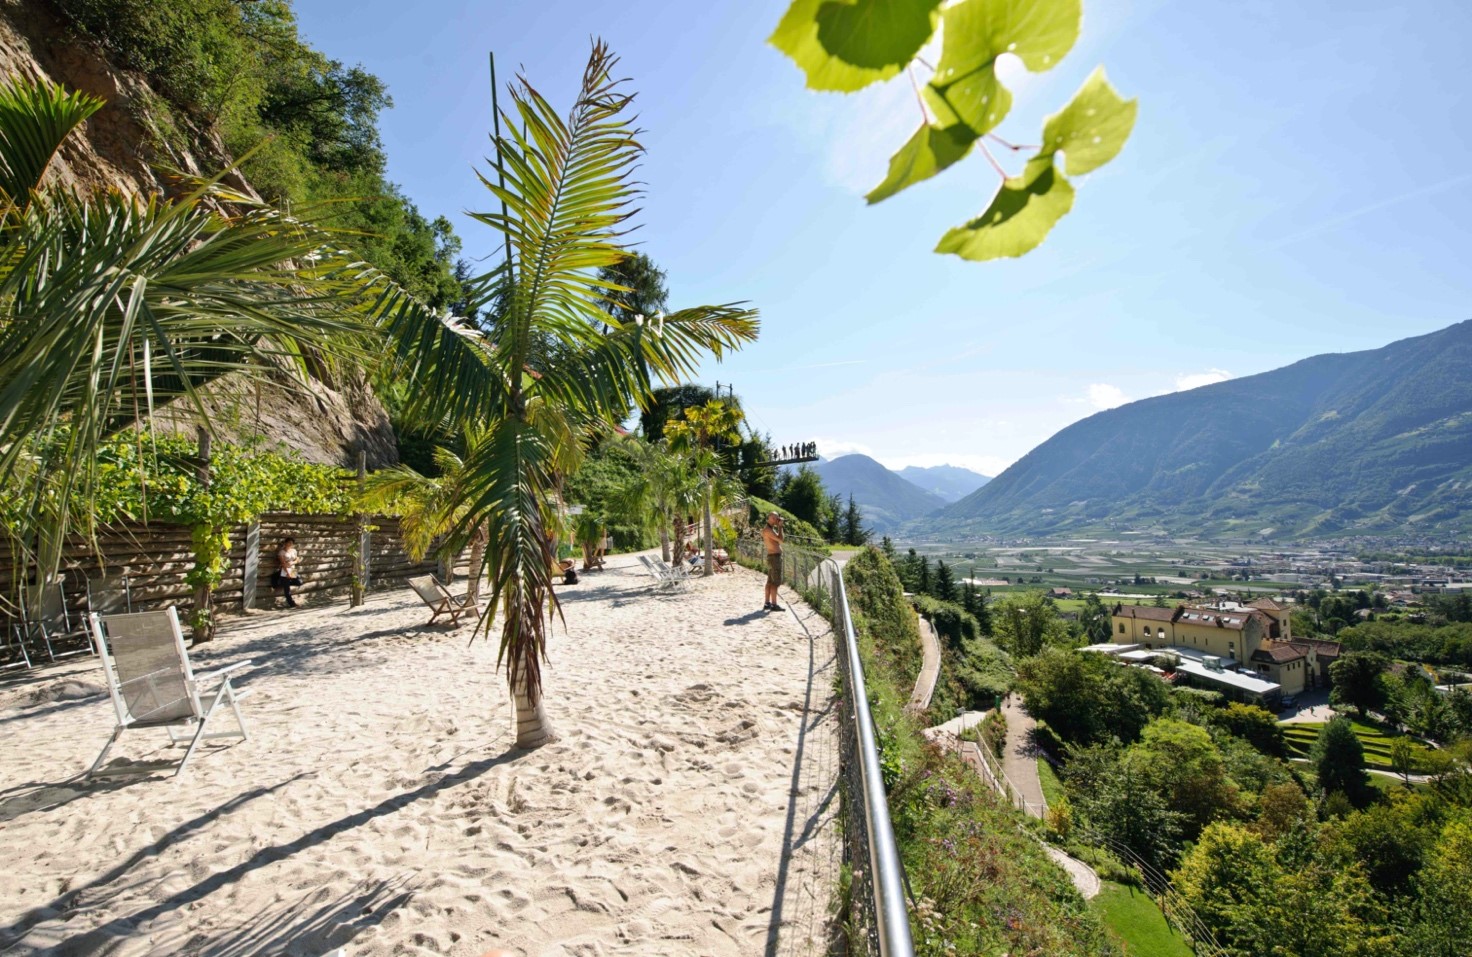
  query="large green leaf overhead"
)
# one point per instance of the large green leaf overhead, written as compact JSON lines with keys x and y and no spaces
{"x":978,"y":32}
{"x":1090,"y":131}
{"x":844,"y":45}
{"x":1092,"y":128}
{"x":1019,"y":216}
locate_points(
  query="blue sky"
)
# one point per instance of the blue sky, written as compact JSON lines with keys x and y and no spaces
{"x":1297,"y":183}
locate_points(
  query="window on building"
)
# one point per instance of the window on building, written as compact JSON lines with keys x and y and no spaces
{"x":1121,"y":628}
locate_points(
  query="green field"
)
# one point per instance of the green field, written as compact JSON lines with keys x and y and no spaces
{"x":1375,"y":741}
{"x":1133,"y":918}
{"x":1048,"y":778}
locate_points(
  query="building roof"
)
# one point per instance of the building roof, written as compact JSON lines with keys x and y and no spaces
{"x":1268,"y":604}
{"x":1232,"y":679}
{"x":1324,"y":647}
{"x":1279,"y":652}
{"x":1144,"y":612}
{"x":1237,"y":620}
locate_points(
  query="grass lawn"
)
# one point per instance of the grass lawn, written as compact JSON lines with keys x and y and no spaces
{"x":1048,"y":778}
{"x":1374,"y":739}
{"x":1133,"y":918}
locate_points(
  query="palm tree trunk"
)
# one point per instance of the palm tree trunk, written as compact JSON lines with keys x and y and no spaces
{"x":664,"y":540}
{"x":710,"y":545}
{"x":679,"y":558}
{"x":532,"y":727}
{"x":477,"y":560}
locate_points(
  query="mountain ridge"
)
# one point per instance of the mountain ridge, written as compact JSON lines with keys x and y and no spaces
{"x":950,"y":482}
{"x":884,"y":498}
{"x":1363,"y":442}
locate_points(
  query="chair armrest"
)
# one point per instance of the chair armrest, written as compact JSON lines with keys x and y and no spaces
{"x":222,"y":672}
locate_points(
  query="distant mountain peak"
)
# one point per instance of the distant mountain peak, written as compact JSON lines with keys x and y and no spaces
{"x":1361,"y":443}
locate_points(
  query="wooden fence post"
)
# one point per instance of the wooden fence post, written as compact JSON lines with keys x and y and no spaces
{"x":360,"y":560}
{"x":252,"y":570}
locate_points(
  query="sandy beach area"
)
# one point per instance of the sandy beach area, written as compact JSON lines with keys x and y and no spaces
{"x":688,"y":806}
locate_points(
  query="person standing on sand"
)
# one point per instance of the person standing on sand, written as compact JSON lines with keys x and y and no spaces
{"x":772,"y":536}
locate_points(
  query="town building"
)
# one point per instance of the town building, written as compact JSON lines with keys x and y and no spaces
{"x":1256,"y":638}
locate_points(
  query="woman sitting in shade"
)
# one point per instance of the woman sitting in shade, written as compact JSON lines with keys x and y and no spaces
{"x":285,"y":574}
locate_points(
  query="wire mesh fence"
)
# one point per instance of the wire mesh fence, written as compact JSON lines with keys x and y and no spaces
{"x":877,"y":920}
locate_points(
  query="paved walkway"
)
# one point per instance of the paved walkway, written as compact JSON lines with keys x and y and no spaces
{"x":929,"y":669}
{"x":1020,"y":757}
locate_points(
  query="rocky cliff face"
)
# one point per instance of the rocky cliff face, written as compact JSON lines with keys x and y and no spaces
{"x":122,"y":147}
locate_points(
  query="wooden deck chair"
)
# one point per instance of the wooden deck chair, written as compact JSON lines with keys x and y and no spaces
{"x":440,"y":601}
{"x":153,"y":686}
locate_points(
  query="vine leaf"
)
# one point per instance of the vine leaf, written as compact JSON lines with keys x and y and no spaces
{"x":844,"y":45}
{"x":978,"y":31}
{"x":1092,"y":128}
{"x":929,"y":151}
{"x":1019,"y":217}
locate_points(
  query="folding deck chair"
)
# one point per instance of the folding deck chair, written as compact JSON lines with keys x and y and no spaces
{"x":440,"y":601}
{"x":663,"y":573}
{"x":50,"y":625}
{"x":153,"y":686}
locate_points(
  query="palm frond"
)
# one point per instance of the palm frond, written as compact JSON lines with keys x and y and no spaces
{"x":35,"y":118}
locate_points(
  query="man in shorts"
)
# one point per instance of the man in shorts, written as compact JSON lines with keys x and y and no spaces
{"x":772,"y":535}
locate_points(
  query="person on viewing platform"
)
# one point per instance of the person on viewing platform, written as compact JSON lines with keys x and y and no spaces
{"x":772,"y":536}
{"x":285,"y":575}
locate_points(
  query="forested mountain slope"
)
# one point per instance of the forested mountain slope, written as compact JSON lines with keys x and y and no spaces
{"x":885,"y":499}
{"x":1364,"y":442}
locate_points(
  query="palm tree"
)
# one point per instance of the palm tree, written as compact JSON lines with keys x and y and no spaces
{"x":111,"y":306}
{"x":559,"y":364}
{"x":698,"y":433}
{"x":428,"y":508}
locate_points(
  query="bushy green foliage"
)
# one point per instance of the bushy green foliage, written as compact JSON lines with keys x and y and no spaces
{"x":1025,"y":623}
{"x":1252,"y":724}
{"x":309,"y":123}
{"x":597,"y":486}
{"x":1339,"y":762}
{"x":1449,"y":643}
{"x":799,"y":532}
{"x":952,"y":623}
{"x":1087,"y":698}
{"x":967,"y":861}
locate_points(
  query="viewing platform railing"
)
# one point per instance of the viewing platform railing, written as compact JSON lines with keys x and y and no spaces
{"x":877,"y":906}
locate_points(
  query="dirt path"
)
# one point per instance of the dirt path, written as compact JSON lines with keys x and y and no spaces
{"x":929,"y":669}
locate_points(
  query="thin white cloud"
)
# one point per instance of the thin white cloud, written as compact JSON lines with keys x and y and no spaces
{"x":1333,"y":221}
{"x":1195,"y":380}
{"x":833,"y":448}
{"x":1102,"y":396}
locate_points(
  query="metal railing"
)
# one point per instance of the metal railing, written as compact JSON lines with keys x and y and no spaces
{"x":877,"y":894}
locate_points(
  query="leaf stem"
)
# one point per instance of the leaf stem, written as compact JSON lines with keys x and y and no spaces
{"x":1012,"y":146}
{"x":992,"y":159}
{"x":915,"y":85}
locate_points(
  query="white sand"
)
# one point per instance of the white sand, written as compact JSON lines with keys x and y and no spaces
{"x":688,"y":807}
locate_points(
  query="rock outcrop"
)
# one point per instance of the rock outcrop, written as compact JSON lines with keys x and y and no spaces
{"x":125,"y":146}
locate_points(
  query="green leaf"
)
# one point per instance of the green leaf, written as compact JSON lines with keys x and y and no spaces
{"x":844,"y":45}
{"x":928,"y":152}
{"x":1092,"y":128}
{"x":1019,"y":217}
{"x":1039,"y":32}
{"x":876,"y":34}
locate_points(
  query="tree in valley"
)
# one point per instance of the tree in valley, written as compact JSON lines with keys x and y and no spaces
{"x":945,"y":583}
{"x":852,"y":530}
{"x":1087,"y":699}
{"x":1094,"y":618}
{"x":803,"y":495}
{"x":1441,"y":924}
{"x":1359,"y":680}
{"x":1257,"y":726}
{"x":1181,"y":763}
{"x":1024,"y":623}
{"x":1228,"y":879}
{"x":1339,"y":760}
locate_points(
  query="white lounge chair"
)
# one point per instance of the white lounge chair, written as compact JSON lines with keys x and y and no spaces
{"x":153,"y":685}
{"x":440,"y":601}
{"x":663,"y":573}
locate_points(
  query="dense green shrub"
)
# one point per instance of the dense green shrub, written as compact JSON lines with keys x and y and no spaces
{"x":981,"y":885}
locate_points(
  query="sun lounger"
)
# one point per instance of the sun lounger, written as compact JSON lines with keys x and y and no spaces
{"x":440,"y":601}
{"x":663,"y":573}
{"x":153,"y":685}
